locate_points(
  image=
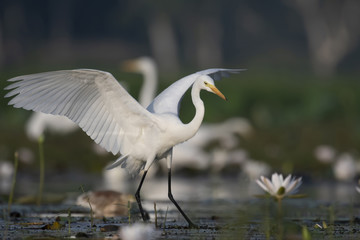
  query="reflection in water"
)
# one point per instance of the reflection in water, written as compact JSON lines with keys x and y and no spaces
{"x":202,"y":188}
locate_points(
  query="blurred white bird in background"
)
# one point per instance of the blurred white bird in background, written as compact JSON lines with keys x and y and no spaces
{"x":112,"y":118}
{"x":39,"y":122}
{"x":345,"y":167}
{"x":222,"y":158}
{"x":253,"y":169}
{"x":325,"y":153}
{"x":146,"y":66}
{"x":225,"y":136}
{"x":6,"y":175}
{"x":225,"y":133}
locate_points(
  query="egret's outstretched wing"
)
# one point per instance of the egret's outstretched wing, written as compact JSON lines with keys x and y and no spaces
{"x":91,"y":98}
{"x":168,"y":101}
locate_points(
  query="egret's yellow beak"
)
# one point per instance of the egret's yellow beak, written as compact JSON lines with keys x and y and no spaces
{"x":217,"y":92}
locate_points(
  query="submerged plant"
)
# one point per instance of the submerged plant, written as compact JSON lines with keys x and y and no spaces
{"x":279,"y":187}
{"x":11,"y":195}
{"x":42,"y":170}
{"x":91,"y":209}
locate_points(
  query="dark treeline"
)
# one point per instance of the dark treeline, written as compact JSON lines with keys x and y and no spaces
{"x":319,"y":34}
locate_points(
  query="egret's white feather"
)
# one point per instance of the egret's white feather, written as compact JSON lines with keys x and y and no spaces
{"x":91,"y":98}
{"x":169,"y":100}
{"x":117,"y":163}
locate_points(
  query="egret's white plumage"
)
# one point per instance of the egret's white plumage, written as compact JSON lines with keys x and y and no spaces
{"x":93,"y":99}
{"x":40,"y":122}
{"x":118,"y":179}
{"x":190,"y":154}
{"x":113,"y":118}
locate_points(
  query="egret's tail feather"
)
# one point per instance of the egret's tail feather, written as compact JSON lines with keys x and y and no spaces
{"x":117,"y":163}
{"x":132,"y":165}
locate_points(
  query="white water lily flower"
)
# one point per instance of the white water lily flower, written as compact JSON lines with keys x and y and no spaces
{"x":279,"y":187}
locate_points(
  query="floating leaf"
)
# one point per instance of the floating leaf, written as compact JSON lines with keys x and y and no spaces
{"x":318,"y":226}
{"x":109,"y":228}
{"x":55,"y":226}
{"x":324,"y":225}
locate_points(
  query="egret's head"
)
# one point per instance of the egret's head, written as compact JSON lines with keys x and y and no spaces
{"x":207,"y":83}
{"x":141,"y":64}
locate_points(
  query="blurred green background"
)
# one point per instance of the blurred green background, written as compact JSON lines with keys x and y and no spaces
{"x":301,"y":89}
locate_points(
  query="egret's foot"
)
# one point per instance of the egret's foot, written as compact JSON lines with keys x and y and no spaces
{"x":146,"y":217}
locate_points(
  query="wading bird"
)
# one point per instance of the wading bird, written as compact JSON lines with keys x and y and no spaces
{"x":146,"y":66}
{"x":114,"y":119}
{"x":190,"y":154}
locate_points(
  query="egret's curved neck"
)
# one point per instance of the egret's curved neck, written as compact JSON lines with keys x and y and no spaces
{"x":148,"y":89}
{"x":194,"y":125}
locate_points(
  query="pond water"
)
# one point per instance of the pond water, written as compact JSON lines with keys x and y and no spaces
{"x":224,"y":208}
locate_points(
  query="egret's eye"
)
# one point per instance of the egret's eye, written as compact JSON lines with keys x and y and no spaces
{"x":206,"y":83}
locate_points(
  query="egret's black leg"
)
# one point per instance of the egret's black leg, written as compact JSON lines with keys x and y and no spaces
{"x":191,"y":224}
{"x":137,"y":196}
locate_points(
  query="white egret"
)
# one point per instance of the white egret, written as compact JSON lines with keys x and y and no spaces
{"x":254,"y":169}
{"x":39,"y":122}
{"x":114,"y":119}
{"x":325,"y":153}
{"x":146,"y":66}
{"x":345,"y":168}
{"x":6,"y":174}
{"x":192,"y":152}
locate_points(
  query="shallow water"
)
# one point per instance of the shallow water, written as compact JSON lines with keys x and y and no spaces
{"x":224,"y":208}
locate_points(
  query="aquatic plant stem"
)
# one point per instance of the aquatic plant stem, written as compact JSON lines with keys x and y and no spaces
{"x":279,"y":207}
{"x":69,"y":221}
{"x":91,"y":210}
{"x":155,"y":210}
{"x":164,"y":224}
{"x":11,"y":196}
{"x":42,"y":169}
{"x":331,"y":228}
{"x":267,"y":225}
{"x":129,"y":211}
{"x":280,"y":219}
